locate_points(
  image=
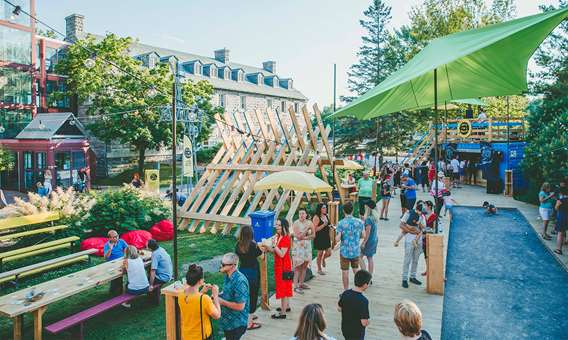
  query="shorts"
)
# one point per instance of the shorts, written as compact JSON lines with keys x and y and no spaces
{"x":345,"y":262}
{"x":386,"y":198}
{"x":546,"y":213}
{"x":455,"y":175}
{"x":409,"y":204}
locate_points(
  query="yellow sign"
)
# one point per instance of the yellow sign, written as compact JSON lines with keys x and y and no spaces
{"x":152,"y":179}
{"x":464,"y":128}
{"x":187,"y":157}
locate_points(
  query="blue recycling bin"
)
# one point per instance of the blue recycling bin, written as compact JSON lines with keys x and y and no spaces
{"x":262,"y":223}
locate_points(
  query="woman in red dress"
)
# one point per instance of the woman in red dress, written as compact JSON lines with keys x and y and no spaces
{"x":282,"y":266}
{"x":431,"y":172}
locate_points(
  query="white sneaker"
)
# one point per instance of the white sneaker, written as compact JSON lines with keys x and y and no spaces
{"x":125,"y":305}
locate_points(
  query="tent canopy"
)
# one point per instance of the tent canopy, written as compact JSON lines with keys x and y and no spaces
{"x":483,"y":62}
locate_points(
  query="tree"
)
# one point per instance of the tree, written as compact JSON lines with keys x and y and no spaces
{"x":546,"y":154}
{"x":6,"y":160}
{"x":119,"y":102}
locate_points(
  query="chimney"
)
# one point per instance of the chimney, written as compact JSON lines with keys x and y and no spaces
{"x":269,"y":66}
{"x":222,"y":55}
{"x":74,"y":27}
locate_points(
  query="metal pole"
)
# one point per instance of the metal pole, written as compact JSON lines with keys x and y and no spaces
{"x":508,"y":133}
{"x":436,"y":142}
{"x":174,"y":184}
{"x":446,"y":124}
{"x":333,"y":124}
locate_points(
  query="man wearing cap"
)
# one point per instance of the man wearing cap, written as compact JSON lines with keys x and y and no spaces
{"x":365,"y":191}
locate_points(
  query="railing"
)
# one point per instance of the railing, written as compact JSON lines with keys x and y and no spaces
{"x":487,"y":130}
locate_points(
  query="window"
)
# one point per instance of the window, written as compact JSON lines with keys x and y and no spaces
{"x":197,"y":68}
{"x":269,"y":103}
{"x":52,"y":87}
{"x":296,"y":107}
{"x":15,"y":45}
{"x":28,"y":170}
{"x":212,"y":71}
{"x":227,"y":74}
{"x":243,"y":102}
{"x":222,"y":100}
{"x":283,"y":106}
{"x":260,"y":79}
{"x":63,"y":169}
{"x":17,"y":86}
{"x":13,"y":121}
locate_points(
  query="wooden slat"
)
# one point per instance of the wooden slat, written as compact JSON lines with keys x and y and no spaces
{"x":22,"y":221}
{"x":12,"y":277}
{"x":297,"y":127}
{"x":36,"y":252}
{"x":217,"y":218}
{"x":260,"y":167}
{"x":33,"y":232}
{"x":38,"y":246}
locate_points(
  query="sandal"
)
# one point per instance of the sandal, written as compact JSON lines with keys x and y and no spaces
{"x":278,"y":316}
{"x":254,"y":317}
{"x":280,"y":309}
{"x":305,"y":286}
{"x":321,"y":272}
{"x":299,"y":291}
{"x":546,"y":237}
{"x":254,"y":325}
{"x":558,"y":251}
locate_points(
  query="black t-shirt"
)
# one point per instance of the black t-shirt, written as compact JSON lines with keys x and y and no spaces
{"x":354,"y":308}
{"x":248,"y":259}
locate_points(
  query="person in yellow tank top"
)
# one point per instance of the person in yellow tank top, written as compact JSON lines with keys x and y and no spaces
{"x":196,"y":307}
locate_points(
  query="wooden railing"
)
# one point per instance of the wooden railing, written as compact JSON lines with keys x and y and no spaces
{"x":488,"y":131}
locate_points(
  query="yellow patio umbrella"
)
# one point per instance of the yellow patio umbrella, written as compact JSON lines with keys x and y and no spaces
{"x":293,"y":180}
{"x":350,"y":165}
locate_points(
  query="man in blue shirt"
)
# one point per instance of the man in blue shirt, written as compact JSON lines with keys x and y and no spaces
{"x":234,"y":299}
{"x":115,"y":249}
{"x":160,"y":269}
{"x":409,"y":187}
{"x":350,"y":231}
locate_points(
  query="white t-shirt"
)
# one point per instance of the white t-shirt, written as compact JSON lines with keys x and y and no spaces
{"x":47,"y":186}
{"x":137,"y":278}
{"x":462,"y":165}
{"x":482,"y":116}
{"x":455,"y":164}
{"x":441,"y":188}
{"x":442,"y":165}
{"x":422,"y":220}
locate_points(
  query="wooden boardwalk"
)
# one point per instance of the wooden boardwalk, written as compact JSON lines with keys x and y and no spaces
{"x":386,"y":290}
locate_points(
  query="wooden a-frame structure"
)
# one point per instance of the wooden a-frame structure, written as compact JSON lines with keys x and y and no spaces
{"x":224,"y":195}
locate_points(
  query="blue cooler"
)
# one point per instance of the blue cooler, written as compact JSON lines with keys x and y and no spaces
{"x":262,"y":223}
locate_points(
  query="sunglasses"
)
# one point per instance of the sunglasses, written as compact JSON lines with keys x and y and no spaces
{"x":226,"y":264}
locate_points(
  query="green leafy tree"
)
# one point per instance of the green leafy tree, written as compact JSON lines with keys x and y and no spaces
{"x":546,"y":155}
{"x":107,"y":90}
{"x":6,"y":160}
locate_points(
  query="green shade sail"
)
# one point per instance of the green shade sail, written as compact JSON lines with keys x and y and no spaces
{"x":483,"y":62}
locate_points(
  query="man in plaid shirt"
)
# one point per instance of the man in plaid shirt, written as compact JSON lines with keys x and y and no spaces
{"x":234,"y":299}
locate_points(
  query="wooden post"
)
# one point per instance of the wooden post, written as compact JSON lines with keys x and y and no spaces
{"x":170,"y":317}
{"x":509,"y":183}
{"x":435,"y":278}
{"x":333,"y":210}
{"x":264,"y":301}
{"x":18,"y":324}
{"x":490,"y":129}
{"x":38,"y":324}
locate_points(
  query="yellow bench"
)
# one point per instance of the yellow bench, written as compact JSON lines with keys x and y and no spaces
{"x":32,"y":232}
{"x":36,"y":249}
{"x":15,"y":274}
{"x":22,"y":221}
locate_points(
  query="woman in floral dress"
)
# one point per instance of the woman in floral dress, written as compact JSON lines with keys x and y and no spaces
{"x":303,"y":231}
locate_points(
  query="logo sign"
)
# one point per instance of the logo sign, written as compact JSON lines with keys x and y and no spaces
{"x":152,"y":178}
{"x":464,"y":128}
{"x":187,"y":157}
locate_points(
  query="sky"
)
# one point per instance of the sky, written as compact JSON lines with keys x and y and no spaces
{"x":304,"y":37}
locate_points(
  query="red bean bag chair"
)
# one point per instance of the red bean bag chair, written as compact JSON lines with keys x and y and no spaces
{"x":162,"y":231}
{"x":137,"y":238}
{"x":97,"y":243}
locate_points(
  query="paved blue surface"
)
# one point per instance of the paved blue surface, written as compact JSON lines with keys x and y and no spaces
{"x":502,"y":282}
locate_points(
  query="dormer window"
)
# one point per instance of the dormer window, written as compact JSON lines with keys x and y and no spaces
{"x":260,"y":79}
{"x":197,"y":69}
{"x":238,"y":74}
{"x":211,"y":70}
{"x":271,"y":81}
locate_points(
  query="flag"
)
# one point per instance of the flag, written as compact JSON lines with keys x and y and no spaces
{"x":187,"y":157}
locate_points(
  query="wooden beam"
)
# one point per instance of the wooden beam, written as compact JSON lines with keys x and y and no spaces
{"x":217,"y":218}
{"x":260,"y":167}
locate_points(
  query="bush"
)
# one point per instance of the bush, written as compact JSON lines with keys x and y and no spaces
{"x":124,"y":210}
{"x":205,"y":155}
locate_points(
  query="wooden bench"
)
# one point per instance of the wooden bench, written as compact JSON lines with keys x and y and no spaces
{"x":22,"y":221}
{"x":37,"y":249}
{"x":80,"y":318}
{"x":51,"y":229}
{"x":15,"y":274}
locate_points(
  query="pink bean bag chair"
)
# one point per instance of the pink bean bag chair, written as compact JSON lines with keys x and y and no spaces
{"x":97,"y":243}
{"x":137,"y":238}
{"x":162,"y":231}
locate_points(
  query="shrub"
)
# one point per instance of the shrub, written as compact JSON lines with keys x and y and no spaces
{"x":205,"y":155}
{"x":124,"y":210}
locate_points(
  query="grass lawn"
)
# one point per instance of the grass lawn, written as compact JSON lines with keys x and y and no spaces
{"x":142,"y":321}
{"x":126,"y":176}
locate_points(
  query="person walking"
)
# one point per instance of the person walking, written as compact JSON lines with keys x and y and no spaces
{"x":409,"y":187}
{"x":412,"y":224}
{"x":371,"y":239}
{"x":354,"y":308}
{"x":408,"y":320}
{"x":350,"y":231}
{"x":304,"y":232}
{"x":248,"y":251}
{"x":234,"y":300}
{"x":283,"y":274}
{"x":196,"y":307}
{"x":546,"y":207}
{"x":431,"y":172}
{"x":439,"y":194}
{"x":431,"y":218}
{"x":365,"y":191}
{"x":561,"y":219}
{"x":312,"y":324}
{"x":455,"y":170}
{"x":386,"y":196}
{"x":322,"y":241}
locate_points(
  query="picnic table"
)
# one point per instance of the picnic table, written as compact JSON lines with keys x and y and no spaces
{"x":14,"y":305}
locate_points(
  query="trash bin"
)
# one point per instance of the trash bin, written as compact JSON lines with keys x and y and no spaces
{"x":262,"y":223}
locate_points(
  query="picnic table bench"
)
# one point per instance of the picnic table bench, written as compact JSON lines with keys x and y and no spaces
{"x":15,"y":274}
{"x":11,"y":223}
{"x":37,"y":249}
{"x":14,"y":305}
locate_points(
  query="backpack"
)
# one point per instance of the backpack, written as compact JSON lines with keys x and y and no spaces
{"x":424,"y":335}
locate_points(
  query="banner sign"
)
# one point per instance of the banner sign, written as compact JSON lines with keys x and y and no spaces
{"x":187,"y":157}
{"x":464,"y":128}
{"x":152,"y":179}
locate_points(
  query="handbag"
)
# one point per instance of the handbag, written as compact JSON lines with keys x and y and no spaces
{"x":288,"y":276}
{"x":210,"y":337}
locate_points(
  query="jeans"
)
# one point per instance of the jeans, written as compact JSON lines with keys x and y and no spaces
{"x":137,"y":291}
{"x":362,"y":201}
{"x":410,"y":203}
{"x":236,"y":333}
{"x":411,"y":256}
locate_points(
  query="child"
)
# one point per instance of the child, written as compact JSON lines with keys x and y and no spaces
{"x":354,"y":307}
{"x":402,"y":233}
{"x":408,"y":320}
{"x":490,"y":209}
{"x":448,"y":202}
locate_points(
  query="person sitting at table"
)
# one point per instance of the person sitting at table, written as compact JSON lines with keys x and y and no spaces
{"x":160,"y":269}
{"x":134,"y":267}
{"x":114,"y":249}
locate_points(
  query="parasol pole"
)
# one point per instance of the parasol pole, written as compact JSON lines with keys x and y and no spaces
{"x":436,"y":142}
{"x":508,"y":133}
